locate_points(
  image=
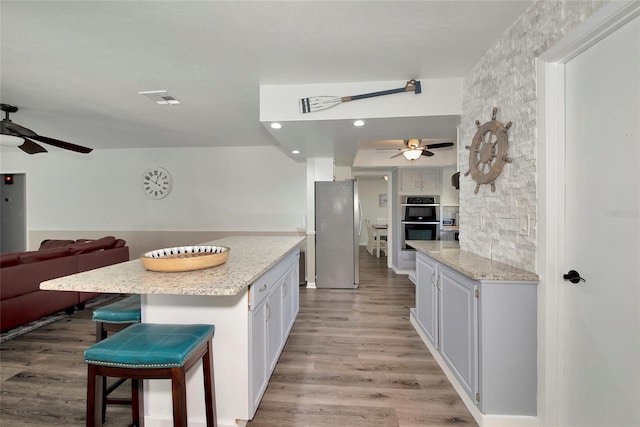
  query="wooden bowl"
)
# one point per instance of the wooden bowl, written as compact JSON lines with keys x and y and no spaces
{"x":185,"y":258}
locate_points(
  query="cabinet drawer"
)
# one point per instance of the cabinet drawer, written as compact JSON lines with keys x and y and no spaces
{"x":259,"y":289}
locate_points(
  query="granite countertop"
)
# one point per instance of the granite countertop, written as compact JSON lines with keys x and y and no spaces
{"x":250,"y":257}
{"x":471,"y":265}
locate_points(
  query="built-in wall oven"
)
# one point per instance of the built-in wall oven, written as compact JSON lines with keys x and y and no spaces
{"x":420,"y":219}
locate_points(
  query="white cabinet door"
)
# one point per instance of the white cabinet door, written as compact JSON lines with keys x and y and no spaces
{"x":258,"y":355}
{"x":420,"y":181}
{"x":295,"y":283}
{"x":431,"y":181}
{"x":274,"y":324}
{"x":289,"y":299}
{"x":459,"y":328}
{"x":410,"y":181}
{"x":427,"y":297}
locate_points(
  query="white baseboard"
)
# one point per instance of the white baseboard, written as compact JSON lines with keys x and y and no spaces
{"x":193,"y":422}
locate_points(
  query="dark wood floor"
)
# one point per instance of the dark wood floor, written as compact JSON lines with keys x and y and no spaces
{"x":352,"y":359}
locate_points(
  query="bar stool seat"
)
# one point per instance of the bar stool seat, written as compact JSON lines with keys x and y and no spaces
{"x":123,"y":311}
{"x":152,"y":351}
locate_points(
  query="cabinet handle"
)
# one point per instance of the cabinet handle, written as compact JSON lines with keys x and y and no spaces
{"x":433,"y":275}
{"x":263,"y":288}
{"x":268,"y":311}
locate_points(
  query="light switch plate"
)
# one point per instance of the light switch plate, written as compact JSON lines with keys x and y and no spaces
{"x":524,"y":225}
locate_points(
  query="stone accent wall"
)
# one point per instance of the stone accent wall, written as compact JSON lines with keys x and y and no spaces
{"x":505,"y":77}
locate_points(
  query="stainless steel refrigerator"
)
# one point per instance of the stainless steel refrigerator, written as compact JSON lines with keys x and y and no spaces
{"x":338,"y":227}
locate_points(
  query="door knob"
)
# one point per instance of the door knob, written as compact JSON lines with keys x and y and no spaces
{"x":573,"y":276}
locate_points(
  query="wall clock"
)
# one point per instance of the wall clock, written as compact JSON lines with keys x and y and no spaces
{"x":488,"y":152}
{"x":157,"y":183}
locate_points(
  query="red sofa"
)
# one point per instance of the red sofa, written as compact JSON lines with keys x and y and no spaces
{"x":22,"y":300}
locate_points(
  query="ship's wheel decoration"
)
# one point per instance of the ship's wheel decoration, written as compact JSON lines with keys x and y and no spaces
{"x":488,"y":152}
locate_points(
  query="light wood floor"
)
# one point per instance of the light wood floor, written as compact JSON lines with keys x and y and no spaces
{"x":352,"y":359}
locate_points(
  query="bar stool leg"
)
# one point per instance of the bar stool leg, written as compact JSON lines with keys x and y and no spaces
{"x":137,"y":403}
{"x":95,"y":397}
{"x":101,"y":334}
{"x":179,"y":395}
{"x":101,"y":331}
{"x":209,"y":386}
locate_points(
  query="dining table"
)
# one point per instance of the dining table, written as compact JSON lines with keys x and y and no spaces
{"x":379,"y":231}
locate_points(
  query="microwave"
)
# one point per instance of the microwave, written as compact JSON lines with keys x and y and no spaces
{"x":420,"y":213}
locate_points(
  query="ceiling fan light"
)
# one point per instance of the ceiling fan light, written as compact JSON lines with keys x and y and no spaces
{"x":11,"y":141}
{"x":413,"y":143}
{"x":412,"y":154}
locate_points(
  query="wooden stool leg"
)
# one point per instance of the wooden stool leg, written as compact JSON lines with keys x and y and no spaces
{"x":179,"y":395}
{"x":137,"y":403}
{"x":209,"y":386}
{"x":101,"y":334}
{"x":95,"y":397}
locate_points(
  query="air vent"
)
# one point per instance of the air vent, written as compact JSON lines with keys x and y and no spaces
{"x":160,"y":97}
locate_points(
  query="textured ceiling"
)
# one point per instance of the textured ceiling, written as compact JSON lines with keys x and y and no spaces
{"x":74,"y":68}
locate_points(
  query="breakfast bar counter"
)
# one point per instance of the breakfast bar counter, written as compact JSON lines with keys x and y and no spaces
{"x":250,"y":257}
{"x":252,"y":299}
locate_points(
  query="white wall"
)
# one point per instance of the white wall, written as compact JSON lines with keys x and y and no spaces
{"x":506,"y":77}
{"x":368,"y":192}
{"x":245,"y":189}
{"x":449,"y":194}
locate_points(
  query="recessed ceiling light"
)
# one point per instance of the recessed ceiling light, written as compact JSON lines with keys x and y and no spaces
{"x":358,"y":123}
{"x":295,"y":151}
{"x":276,"y":125}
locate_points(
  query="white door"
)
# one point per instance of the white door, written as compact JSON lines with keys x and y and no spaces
{"x":600,"y":316}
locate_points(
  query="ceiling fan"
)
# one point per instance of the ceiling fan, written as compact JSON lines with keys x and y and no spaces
{"x":413,"y":149}
{"x":18,"y":136}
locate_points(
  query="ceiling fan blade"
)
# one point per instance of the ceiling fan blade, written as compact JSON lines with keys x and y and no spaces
{"x":7,"y":127}
{"x":396,"y":155}
{"x":62,"y":144}
{"x":31,"y":147}
{"x":17,"y":130}
{"x":439,"y":145}
{"x":427,"y":153}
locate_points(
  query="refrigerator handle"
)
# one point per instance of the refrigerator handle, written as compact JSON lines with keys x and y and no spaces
{"x":360,"y":218}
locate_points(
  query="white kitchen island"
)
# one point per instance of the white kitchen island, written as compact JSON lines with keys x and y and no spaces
{"x":252,"y":300}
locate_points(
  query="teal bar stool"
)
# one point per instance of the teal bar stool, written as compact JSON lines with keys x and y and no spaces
{"x":152,"y":351}
{"x":125,"y":311}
